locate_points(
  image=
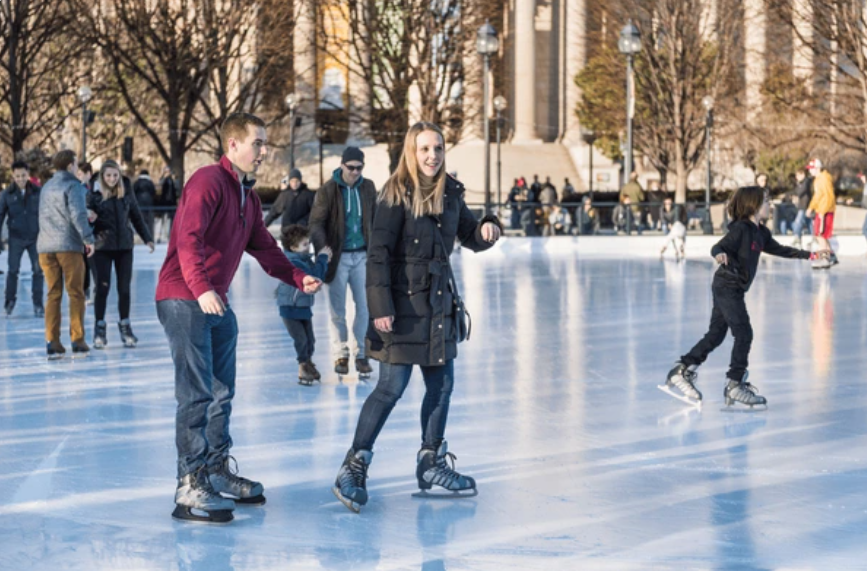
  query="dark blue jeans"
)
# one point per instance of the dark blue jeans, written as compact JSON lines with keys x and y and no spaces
{"x":301,"y":332}
{"x":203,"y":350}
{"x":393,"y":380}
{"x":16,"y":251}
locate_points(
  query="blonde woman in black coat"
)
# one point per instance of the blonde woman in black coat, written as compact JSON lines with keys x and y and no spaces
{"x":420,"y":212}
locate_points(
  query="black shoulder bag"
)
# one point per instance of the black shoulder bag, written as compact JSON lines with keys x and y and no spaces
{"x":462,"y":318}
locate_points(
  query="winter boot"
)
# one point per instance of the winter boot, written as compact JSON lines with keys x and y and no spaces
{"x":680,"y":384}
{"x":129,"y":340}
{"x":437,"y":468}
{"x":99,"y":335}
{"x":350,"y":486}
{"x":226,"y":481}
{"x":341,"y":366}
{"x":744,"y":393}
{"x":195,"y":492}
{"x":55,"y":350}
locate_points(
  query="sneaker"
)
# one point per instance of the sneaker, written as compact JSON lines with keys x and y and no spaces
{"x":225,"y":480}
{"x":55,"y":350}
{"x":9,"y":307}
{"x":38,"y":311}
{"x":363,"y":367}
{"x":99,"y":335}
{"x":80,"y":349}
{"x":341,"y":366}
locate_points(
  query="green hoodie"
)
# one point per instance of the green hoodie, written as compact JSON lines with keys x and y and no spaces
{"x":354,"y":238}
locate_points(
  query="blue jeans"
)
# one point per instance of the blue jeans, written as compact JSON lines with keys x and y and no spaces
{"x":393,"y":380}
{"x":16,"y":250}
{"x":351,"y":271}
{"x":203,"y":350}
{"x":799,"y":223}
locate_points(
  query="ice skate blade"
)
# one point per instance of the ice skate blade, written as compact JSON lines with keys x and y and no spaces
{"x":446,"y":494}
{"x":251,"y":501}
{"x":55,"y":357}
{"x":744,"y":408}
{"x":353,"y":507}
{"x":692,"y":402}
{"x":306,"y":382}
{"x":186,"y":514}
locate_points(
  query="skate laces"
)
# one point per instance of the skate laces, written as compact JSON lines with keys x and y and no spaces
{"x":444,"y":469}
{"x":690,"y":376}
{"x":356,"y":470}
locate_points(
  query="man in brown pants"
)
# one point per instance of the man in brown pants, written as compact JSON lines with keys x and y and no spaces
{"x":64,"y":234}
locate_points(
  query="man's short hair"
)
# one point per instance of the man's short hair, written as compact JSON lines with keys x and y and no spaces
{"x":293,"y":235}
{"x":63,"y":159}
{"x":236,"y":126}
{"x":86,"y":168}
{"x":144,"y":171}
{"x":20,"y":165}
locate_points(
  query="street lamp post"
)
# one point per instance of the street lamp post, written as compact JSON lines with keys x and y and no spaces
{"x":85,"y":94}
{"x":707,"y":102}
{"x":487,"y":45}
{"x":589,"y":137}
{"x":320,"y":134}
{"x":629,"y":45}
{"x":292,"y":103}
{"x":500,"y":105}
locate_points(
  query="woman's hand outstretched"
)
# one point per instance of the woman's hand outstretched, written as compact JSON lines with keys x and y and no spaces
{"x":384,"y":324}
{"x":490,"y":232}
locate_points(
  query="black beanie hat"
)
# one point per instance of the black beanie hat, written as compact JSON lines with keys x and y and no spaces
{"x":295,"y":173}
{"x":352,"y":154}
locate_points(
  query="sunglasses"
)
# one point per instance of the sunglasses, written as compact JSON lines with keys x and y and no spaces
{"x":354,"y":168}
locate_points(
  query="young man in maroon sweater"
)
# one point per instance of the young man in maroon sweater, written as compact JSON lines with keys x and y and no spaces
{"x":219,"y":218}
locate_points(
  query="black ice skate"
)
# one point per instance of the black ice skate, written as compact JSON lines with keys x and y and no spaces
{"x":38,"y":311}
{"x":226,"y":482}
{"x":306,"y":373}
{"x":341,"y":366}
{"x":55,"y":351}
{"x":316,"y":374}
{"x":195,"y":492}
{"x":681,"y":384}
{"x":9,"y":307}
{"x":126,"y":335}
{"x":80,"y":349}
{"x":99,"y":335}
{"x":438,"y":469}
{"x":362,"y":365}
{"x":742,"y":393}
{"x":350,"y":487}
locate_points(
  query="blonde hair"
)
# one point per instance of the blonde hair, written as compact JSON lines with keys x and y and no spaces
{"x":108,"y":192}
{"x":403,"y":188}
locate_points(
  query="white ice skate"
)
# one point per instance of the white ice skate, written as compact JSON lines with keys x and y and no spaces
{"x":741,"y":396}
{"x":680,"y":384}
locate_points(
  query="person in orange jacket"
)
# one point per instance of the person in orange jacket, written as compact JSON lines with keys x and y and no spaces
{"x":823,"y":204}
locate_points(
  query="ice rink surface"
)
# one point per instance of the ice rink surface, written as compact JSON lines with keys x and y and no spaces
{"x":581,"y":462}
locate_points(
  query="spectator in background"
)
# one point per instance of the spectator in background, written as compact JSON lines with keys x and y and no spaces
{"x":621,"y":216}
{"x":785,"y":214}
{"x":762,"y":181}
{"x":632,"y":190}
{"x":656,"y":197}
{"x":824,"y":205}
{"x":169,"y":196}
{"x":146,"y":196}
{"x":516,"y":197}
{"x":804,"y":193}
{"x":64,"y":233}
{"x":86,"y":177}
{"x":293,"y":204}
{"x":863,"y":178}
{"x":535,"y":192}
{"x":548,"y":198}
{"x":587,"y":218}
{"x":20,"y":203}
{"x":571,"y":201}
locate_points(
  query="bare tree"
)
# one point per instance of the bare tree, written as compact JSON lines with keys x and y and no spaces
{"x":687,"y":53}
{"x":38,"y":71}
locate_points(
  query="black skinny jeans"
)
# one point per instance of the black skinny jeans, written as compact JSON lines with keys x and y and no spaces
{"x":729,"y":312}
{"x":102,"y":261}
{"x":393,"y":380}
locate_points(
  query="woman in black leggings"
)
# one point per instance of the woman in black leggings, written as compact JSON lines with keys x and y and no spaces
{"x":115,"y":208}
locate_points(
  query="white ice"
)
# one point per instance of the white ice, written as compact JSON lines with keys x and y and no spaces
{"x":581,"y":462}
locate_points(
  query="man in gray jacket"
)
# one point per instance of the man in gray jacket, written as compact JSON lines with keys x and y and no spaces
{"x":64,"y":234}
{"x":19,"y":204}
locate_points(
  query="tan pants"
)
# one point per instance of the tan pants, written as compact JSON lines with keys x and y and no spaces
{"x":60,"y":268}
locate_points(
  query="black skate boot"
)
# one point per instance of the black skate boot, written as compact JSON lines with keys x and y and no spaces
{"x":350,"y":486}
{"x":38,"y":311}
{"x":80,"y":349}
{"x":433,"y":470}
{"x":129,"y":340}
{"x":316,"y":374}
{"x":341,"y":366}
{"x":743,"y":393}
{"x":195,"y":492}
{"x":681,"y":384}
{"x":362,"y":365}
{"x":99,"y":335}
{"x":9,"y":307}
{"x":306,"y":373}
{"x":55,"y":350}
{"x":226,"y":481}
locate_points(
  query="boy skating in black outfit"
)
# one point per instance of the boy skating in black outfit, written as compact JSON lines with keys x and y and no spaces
{"x":738,"y":255}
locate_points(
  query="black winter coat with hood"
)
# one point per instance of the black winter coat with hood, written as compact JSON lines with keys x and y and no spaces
{"x":22,"y":211}
{"x":407,"y":277}
{"x":112,"y":230}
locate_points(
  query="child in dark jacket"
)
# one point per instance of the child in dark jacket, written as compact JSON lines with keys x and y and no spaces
{"x":295,"y":305}
{"x":738,"y":255}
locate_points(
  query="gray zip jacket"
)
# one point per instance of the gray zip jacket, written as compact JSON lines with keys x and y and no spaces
{"x":63,"y":225}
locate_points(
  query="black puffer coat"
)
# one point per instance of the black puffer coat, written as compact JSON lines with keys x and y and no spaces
{"x":22,"y":208}
{"x":112,"y":230}
{"x":407,"y":278}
